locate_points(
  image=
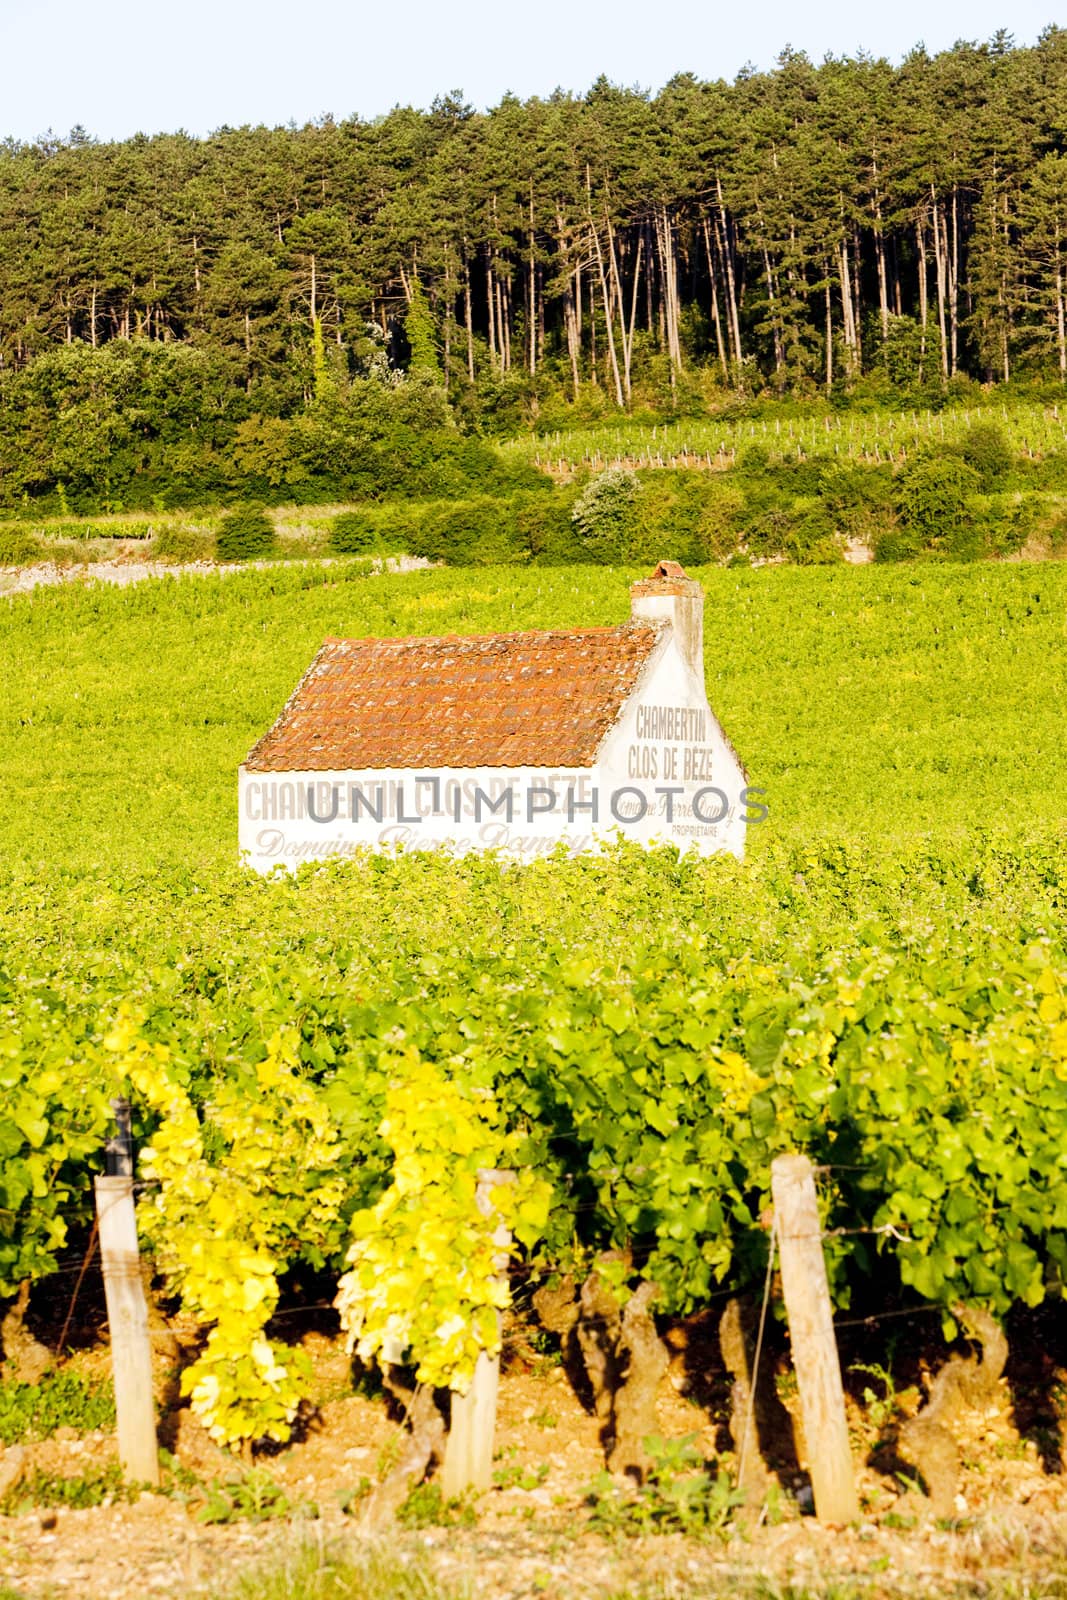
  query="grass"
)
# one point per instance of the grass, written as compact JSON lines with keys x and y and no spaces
{"x":396,"y":1571}
{"x":315,"y":1571}
{"x":875,"y":705}
{"x":44,"y":1489}
{"x":58,"y":1400}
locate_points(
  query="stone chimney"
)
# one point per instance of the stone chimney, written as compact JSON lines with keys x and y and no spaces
{"x":668,"y":593}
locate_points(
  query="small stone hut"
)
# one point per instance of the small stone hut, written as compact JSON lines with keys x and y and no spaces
{"x":512,"y":741}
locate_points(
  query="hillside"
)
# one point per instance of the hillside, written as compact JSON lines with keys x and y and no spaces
{"x":181,"y":306}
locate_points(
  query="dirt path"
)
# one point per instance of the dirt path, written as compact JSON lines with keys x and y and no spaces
{"x":48,"y":574}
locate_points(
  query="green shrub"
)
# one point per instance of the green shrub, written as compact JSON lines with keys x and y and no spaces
{"x":244,"y":534}
{"x":179,"y":544}
{"x":544,"y":526}
{"x":605,"y":517}
{"x":753,"y":461}
{"x":1048,"y":473}
{"x":968,"y":542}
{"x":686,"y":516}
{"x":355,"y":533}
{"x":986,"y":450}
{"x":935,"y":496}
{"x":716,"y":532}
{"x":1057,"y":532}
{"x":18,"y":548}
{"x":898,"y":543}
{"x":769,"y":533}
{"x":470,"y":533}
{"x":804,"y":534}
{"x":1009,"y":525}
{"x":860,"y":502}
{"x":805,"y":477}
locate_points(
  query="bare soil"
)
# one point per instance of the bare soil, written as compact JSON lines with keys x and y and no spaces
{"x":532,"y":1536}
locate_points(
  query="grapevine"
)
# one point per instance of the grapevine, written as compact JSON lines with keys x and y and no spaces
{"x":423,"y":1282}
{"x":330,"y":1097}
{"x":225,"y":1228}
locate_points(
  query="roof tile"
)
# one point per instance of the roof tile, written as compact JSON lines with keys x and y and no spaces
{"x":499,"y":700}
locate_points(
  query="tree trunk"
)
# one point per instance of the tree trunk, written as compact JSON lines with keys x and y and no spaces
{"x":490,"y":297}
{"x":883,"y":292}
{"x":504,"y":318}
{"x":625,"y":334}
{"x":608,"y":319}
{"x":920,"y":240}
{"x":1061,"y":316}
{"x":829,"y":332}
{"x":1006,"y":321}
{"x":953,"y":282}
{"x":939,"y":266}
{"x":772,"y":301}
{"x":532,"y":313}
{"x":592,"y":332}
{"x":669,"y":274}
{"x":857,"y":299}
{"x":845,"y":281}
{"x":449,"y":312}
{"x":879,"y":248}
{"x":650,"y":313}
{"x":733,"y":315}
{"x":570,"y":322}
{"x":715,"y":318}
{"x":633,"y":311}
{"x":467,"y":312}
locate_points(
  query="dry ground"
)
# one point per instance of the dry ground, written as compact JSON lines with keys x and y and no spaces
{"x":531,"y":1535}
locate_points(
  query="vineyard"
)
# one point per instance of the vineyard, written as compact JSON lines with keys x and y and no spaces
{"x":320,"y":1067}
{"x":876,"y":704}
{"x":866,"y":438}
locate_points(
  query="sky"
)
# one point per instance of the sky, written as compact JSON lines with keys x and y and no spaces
{"x":119,"y":67}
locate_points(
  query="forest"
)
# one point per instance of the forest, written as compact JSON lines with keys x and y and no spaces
{"x":841,"y":229}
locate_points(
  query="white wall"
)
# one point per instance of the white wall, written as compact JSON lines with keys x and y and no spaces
{"x":666,"y":739}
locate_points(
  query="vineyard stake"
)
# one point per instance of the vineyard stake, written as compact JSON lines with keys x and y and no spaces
{"x":811,"y":1331}
{"x":127,"y":1313}
{"x":471,"y":1432}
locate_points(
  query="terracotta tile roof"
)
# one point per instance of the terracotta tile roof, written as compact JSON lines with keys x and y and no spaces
{"x":502,"y":700}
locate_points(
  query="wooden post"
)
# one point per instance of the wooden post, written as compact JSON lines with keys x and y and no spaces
{"x":118,"y":1151}
{"x":811,"y":1330}
{"x":469,"y":1449}
{"x":127,"y":1313}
